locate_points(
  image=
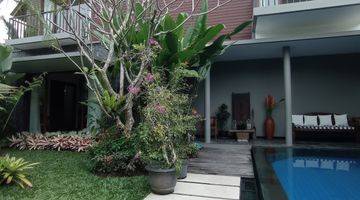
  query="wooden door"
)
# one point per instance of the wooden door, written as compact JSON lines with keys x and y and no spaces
{"x":240,"y":107}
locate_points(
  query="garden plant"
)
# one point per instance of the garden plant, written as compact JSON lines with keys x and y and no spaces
{"x":142,"y":83}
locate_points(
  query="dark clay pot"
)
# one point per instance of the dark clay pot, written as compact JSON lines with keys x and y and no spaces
{"x":269,"y":127}
{"x":162,"y":181}
{"x":183,"y":170}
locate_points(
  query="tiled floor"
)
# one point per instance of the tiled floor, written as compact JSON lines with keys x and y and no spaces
{"x":203,"y":187}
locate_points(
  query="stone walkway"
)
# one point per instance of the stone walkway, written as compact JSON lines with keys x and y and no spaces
{"x":215,"y":174}
{"x":203,"y":187}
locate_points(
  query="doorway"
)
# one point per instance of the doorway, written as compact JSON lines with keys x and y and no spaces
{"x":240,"y":107}
{"x":62,"y":106}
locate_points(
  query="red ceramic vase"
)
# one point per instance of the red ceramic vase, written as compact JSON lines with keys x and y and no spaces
{"x":269,"y":127}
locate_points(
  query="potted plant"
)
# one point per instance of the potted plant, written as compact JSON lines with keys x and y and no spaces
{"x":222,"y":115}
{"x":270,"y":105}
{"x":164,"y":133}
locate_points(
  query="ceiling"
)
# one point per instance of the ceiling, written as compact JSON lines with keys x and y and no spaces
{"x":321,"y":20}
{"x":340,"y":43}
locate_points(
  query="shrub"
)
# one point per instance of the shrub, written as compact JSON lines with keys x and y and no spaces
{"x":115,"y":154}
{"x":13,"y":170}
{"x":52,"y":141}
{"x":166,"y":131}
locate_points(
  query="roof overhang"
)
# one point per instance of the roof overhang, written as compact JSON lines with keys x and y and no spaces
{"x":318,"y":16}
{"x":312,"y":45}
{"x":42,"y":41}
{"x":46,"y":63}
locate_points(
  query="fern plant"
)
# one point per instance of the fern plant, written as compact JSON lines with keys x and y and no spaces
{"x":13,"y":170}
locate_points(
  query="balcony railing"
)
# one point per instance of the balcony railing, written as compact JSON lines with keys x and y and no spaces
{"x":266,"y":3}
{"x":34,"y":25}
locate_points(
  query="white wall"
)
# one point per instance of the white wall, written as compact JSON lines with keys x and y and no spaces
{"x":320,"y":84}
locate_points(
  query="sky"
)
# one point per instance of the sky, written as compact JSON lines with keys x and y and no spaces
{"x":6,"y":6}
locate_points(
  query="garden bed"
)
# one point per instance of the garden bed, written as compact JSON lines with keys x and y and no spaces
{"x":64,"y":175}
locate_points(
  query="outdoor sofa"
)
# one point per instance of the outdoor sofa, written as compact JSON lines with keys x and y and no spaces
{"x":324,"y":127}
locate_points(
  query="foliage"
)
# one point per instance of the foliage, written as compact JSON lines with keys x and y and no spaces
{"x":140,"y":37}
{"x":188,"y":53}
{"x":53,"y":141}
{"x":13,"y":170}
{"x":114,"y":154}
{"x":271,"y":104}
{"x":193,"y":150}
{"x":166,"y":127}
{"x":222,"y":115}
{"x":63,"y":175}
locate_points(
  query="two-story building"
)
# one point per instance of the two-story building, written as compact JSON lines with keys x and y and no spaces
{"x":304,"y":51}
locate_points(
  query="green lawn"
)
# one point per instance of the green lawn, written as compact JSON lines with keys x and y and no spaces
{"x":63,"y":175}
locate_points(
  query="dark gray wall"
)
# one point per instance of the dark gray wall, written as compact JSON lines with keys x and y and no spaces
{"x":320,"y":84}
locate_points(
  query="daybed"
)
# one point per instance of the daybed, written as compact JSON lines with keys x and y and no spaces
{"x":324,"y":127}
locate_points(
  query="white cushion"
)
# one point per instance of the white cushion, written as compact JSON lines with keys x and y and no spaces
{"x":341,"y":120}
{"x":310,"y":120}
{"x":325,"y":120}
{"x":298,"y":119}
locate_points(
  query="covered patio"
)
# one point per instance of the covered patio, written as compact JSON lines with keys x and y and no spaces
{"x":326,"y":62}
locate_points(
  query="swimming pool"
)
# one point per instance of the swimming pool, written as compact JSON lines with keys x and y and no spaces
{"x":307,"y":174}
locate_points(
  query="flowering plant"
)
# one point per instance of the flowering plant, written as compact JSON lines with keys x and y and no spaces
{"x":167,"y":123}
{"x":271,"y":104}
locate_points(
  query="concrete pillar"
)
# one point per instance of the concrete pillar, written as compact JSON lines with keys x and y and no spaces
{"x":34,"y":123}
{"x":288,"y":99}
{"x":207,"y":109}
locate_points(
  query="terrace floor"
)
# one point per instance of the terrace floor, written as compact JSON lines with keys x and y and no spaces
{"x":223,"y":158}
{"x":215,"y":174}
{"x":220,"y":167}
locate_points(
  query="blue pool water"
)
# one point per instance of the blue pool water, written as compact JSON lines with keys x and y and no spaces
{"x":312,"y":177}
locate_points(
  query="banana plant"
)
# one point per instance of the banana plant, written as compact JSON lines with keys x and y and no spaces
{"x":189,"y":54}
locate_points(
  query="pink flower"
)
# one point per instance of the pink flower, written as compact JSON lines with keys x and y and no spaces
{"x":134,"y":89}
{"x":149,"y":78}
{"x":153,"y":42}
{"x":161,"y":109}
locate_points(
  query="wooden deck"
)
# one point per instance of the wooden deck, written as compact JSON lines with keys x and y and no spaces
{"x":223,"y":159}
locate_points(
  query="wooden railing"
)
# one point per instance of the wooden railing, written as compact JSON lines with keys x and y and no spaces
{"x":46,"y":23}
{"x":266,"y":3}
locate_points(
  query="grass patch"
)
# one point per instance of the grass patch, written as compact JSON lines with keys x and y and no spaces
{"x":64,"y":176}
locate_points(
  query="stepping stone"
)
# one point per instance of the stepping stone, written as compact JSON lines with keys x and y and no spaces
{"x":176,"y":197}
{"x":212,"y":179}
{"x":206,"y":190}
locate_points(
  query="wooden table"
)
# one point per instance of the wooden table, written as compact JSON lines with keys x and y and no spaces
{"x":243,"y":135}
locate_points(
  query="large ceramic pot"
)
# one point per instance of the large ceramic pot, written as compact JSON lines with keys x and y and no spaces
{"x":183,"y":169}
{"x":269,"y":127}
{"x":162,"y":181}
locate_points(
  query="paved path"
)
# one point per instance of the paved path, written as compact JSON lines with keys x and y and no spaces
{"x":203,"y":187}
{"x":215,"y":174}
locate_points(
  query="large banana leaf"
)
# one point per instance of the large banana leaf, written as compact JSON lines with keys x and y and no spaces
{"x":200,"y":26}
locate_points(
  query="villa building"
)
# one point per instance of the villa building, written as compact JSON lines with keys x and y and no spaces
{"x":307,"y":52}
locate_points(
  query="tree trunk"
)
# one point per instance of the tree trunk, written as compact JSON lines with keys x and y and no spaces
{"x":122,"y":78}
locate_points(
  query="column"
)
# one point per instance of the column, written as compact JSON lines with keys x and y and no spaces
{"x":34,"y":123}
{"x":207,"y":109}
{"x":288,"y":99}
